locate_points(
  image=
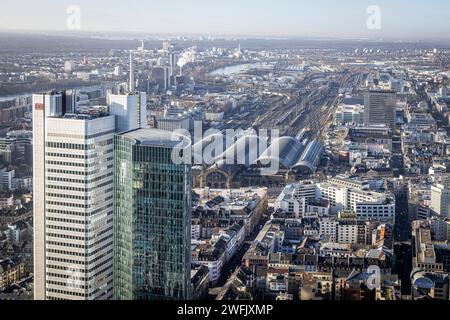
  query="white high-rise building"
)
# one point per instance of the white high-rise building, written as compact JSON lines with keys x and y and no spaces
{"x":440,"y":200}
{"x":129,"y":106}
{"x":131,"y":83}
{"x":68,"y":66}
{"x":73,"y":201}
{"x":130,"y":109}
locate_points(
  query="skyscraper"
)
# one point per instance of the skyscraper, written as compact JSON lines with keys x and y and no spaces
{"x":380,"y":107}
{"x":130,"y":109}
{"x":129,"y":106}
{"x":152,"y":217}
{"x":440,"y":200}
{"x":131,"y":83}
{"x":73,"y":201}
{"x":161,"y":75}
{"x":173,"y":65}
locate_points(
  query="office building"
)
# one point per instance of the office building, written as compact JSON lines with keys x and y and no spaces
{"x":380,"y":107}
{"x":173,"y":66}
{"x":73,"y":201}
{"x":440,"y":200}
{"x":349,"y":114}
{"x":379,"y":211}
{"x":131,"y":83}
{"x":130,"y":109}
{"x":174,"y":119}
{"x":161,"y":76}
{"x":152,"y":217}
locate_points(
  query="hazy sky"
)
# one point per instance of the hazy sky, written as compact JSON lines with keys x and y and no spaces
{"x":421,"y":19}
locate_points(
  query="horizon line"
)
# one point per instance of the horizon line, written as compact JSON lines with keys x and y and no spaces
{"x":230,"y":36}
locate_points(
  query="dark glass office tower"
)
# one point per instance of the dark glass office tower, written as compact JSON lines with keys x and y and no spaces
{"x":152,"y":217}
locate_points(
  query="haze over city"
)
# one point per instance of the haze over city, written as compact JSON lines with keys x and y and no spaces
{"x":225,"y":157}
{"x":401,"y":19}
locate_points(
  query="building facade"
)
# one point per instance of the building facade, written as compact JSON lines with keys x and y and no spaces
{"x":152,"y":225}
{"x":380,"y":107}
{"x":130,"y":109}
{"x":440,"y":200}
{"x":73,"y":202}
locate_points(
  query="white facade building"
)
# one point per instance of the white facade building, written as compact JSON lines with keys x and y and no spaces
{"x":6,"y":178}
{"x":345,"y":198}
{"x":294,"y":198}
{"x":440,"y":200}
{"x":328,"y":228}
{"x":347,"y":233}
{"x":130,"y":110}
{"x":349,"y":114}
{"x":379,"y":211}
{"x":73,"y":202}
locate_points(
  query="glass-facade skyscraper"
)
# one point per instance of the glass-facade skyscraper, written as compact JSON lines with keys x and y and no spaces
{"x":152,"y":217}
{"x":380,"y":107}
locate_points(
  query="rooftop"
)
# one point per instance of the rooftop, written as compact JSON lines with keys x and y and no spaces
{"x":156,"y":137}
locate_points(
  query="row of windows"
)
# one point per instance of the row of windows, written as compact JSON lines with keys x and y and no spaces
{"x":65,"y":268}
{"x":66,"y":204}
{"x":78,"y":246}
{"x":77,"y":146}
{"x":95,"y":155}
{"x":78,"y":173}
{"x":64,"y":292}
{"x":75,"y":197}
{"x":79,"y":254}
{"x":72,"y":237}
{"x":77,"y":136}
{"x":64,"y":187}
{"x":72,"y":285}
{"x":68,"y":196}
{"x":77,"y":262}
{"x":82,"y":214}
{"x":71,"y":156}
{"x":68,"y":275}
{"x":62,"y":220}
{"x":80,"y":262}
{"x":67,"y":228}
{"x":59,"y":227}
{"x":102,"y":264}
{"x":375,"y":209}
{"x":375,"y":215}
{"x":75,"y":164}
{"x":374,"y":212}
{"x":83,"y":181}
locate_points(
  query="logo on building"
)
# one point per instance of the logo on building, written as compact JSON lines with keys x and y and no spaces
{"x":38,"y":106}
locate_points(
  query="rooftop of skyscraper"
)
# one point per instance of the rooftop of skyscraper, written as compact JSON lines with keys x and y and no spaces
{"x":156,"y":137}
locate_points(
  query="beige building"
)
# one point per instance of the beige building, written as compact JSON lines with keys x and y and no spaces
{"x":440,"y":200}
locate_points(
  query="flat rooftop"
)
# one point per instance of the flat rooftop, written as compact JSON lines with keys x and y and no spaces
{"x":157,"y":137}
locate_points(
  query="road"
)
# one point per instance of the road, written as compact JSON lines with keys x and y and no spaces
{"x":236,"y":260}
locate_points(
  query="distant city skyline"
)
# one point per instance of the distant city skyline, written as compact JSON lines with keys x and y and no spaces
{"x":401,"y":19}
